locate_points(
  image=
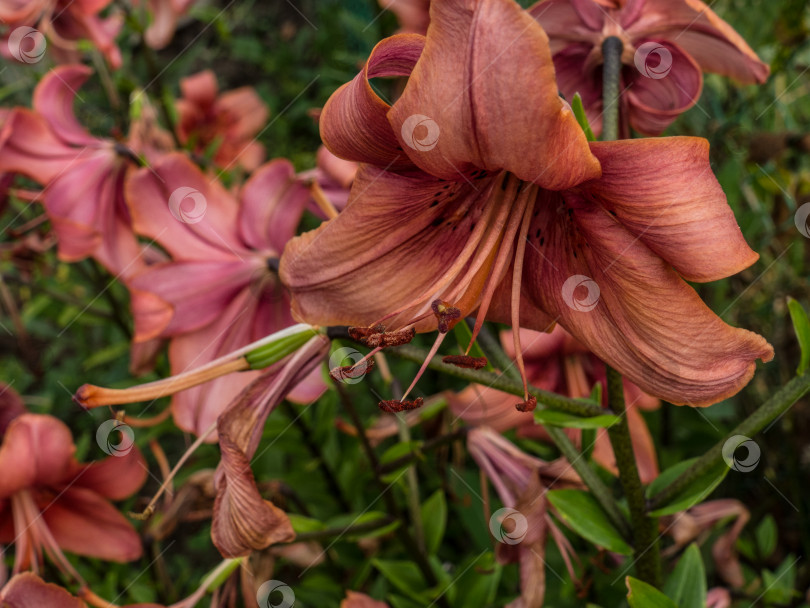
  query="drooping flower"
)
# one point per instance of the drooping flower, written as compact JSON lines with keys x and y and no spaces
{"x":556,"y":362}
{"x":225,"y":125}
{"x":64,"y":23}
{"x":478,"y":191}
{"x":522,"y":482}
{"x":668,"y":44}
{"x":50,"y":503}
{"x":413,"y":15}
{"x":219,"y":291}
{"x":82,"y":175}
{"x":243,"y":520}
{"x":165,"y":14}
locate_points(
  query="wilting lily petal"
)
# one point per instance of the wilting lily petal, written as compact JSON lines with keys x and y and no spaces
{"x":27,"y":590}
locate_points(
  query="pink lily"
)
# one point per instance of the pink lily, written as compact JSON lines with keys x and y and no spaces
{"x":521,"y":482}
{"x":49,"y":502}
{"x":413,"y":15}
{"x":557,"y":362}
{"x":82,"y":175}
{"x":165,"y":15}
{"x":478,"y":191}
{"x":219,"y":291}
{"x":229,"y":122}
{"x":668,"y":44}
{"x":27,"y":590}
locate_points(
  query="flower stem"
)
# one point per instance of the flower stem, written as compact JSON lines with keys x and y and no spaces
{"x":769,"y":411}
{"x":612,"y":49}
{"x":646,"y":554}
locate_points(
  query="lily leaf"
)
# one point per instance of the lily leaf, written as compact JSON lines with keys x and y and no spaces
{"x":801,"y":325}
{"x":642,"y":595}
{"x":570,"y":421}
{"x":695,"y":492}
{"x":434,"y":520}
{"x":581,"y":511}
{"x":582,"y":118}
{"x":687,"y":584}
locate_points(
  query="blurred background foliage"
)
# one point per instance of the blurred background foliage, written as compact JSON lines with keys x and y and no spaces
{"x":63,"y":325}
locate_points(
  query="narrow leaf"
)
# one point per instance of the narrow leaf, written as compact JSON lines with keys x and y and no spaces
{"x":434,"y":521}
{"x":687,"y":584}
{"x":581,"y":511}
{"x":694,"y":493}
{"x":642,"y":595}
{"x":801,"y":325}
{"x":582,"y":118}
{"x":570,"y":421}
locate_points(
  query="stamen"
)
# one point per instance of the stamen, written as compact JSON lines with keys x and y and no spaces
{"x":376,"y":336}
{"x":527,"y":406}
{"x":352,"y":372}
{"x":394,"y":406}
{"x":323,"y":202}
{"x":446,"y":314}
{"x":466,"y":361}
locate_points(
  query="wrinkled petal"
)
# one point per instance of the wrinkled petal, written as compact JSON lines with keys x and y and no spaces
{"x":654,"y":103}
{"x":37,"y":450}
{"x":644,"y":320}
{"x":27,"y":590}
{"x":353,"y":122}
{"x":84,"y":523}
{"x":477,"y":58}
{"x":665,"y":193}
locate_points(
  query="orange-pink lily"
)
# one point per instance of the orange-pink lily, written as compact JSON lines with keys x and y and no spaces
{"x":413,"y":15}
{"x":668,"y":44}
{"x":478,"y":191}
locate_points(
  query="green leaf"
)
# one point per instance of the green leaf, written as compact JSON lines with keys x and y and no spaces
{"x":303,"y":524}
{"x":687,"y":584}
{"x":780,"y":586}
{"x":404,"y":575}
{"x":463,"y":335}
{"x":694,"y":493}
{"x":642,"y":595}
{"x":478,"y":584}
{"x":570,"y":421}
{"x":582,"y":118}
{"x":434,"y":521}
{"x":801,"y":325}
{"x":766,"y":536}
{"x":582,"y":512}
{"x":352,"y":520}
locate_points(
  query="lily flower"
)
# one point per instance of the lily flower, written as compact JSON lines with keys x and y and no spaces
{"x":413,"y":15}
{"x":355,"y":599}
{"x":64,"y":22}
{"x":668,"y":44}
{"x":522,"y":482}
{"x":557,"y":362}
{"x":27,"y":590}
{"x":477,"y":191}
{"x":82,"y":175}
{"x":165,"y":15}
{"x":50,"y":503}
{"x":219,"y":291}
{"x":226,"y":124}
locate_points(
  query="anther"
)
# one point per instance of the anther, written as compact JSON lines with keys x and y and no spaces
{"x":446,"y":314}
{"x":527,"y":406}
{"x":393,"y":406}
{"x":352,"y":372}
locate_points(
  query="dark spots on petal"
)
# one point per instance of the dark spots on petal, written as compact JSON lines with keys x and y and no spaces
{"x":537,"y":233}
{"x":542,"y":240}
{"x":437,"y":222}
{"x":434,"y":203}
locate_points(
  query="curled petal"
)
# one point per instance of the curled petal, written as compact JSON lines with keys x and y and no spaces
{"x":53,"y":99}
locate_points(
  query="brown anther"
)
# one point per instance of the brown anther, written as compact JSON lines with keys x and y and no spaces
{"x":393,"y":406}
{"x":376,"y":337}
{"x":361,"y":333}
{"x":397,"y":338}
{"x":446,"y":314}
{"x":527,"y":406}
{"x":352,"y":372}
{"x":465,"y":361}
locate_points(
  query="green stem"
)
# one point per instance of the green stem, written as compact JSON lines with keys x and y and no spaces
{"x":503,"y":382}
{"x":369,"y":526}
{"x":427,"y":446}
{"x":612,"y":49}
{"x":646,"y":554}
{"x":769,"y":411}
{"x":579,"y":463}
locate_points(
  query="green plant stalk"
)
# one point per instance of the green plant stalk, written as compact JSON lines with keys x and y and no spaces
{"x":769,"y":411}
{"x":501,"y":382}
{"x":580,"y":464}
{"x":369,"y":526}
{"x":612,"y":49}
{"x":646,"y":552}
{"x":427,"y":446}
